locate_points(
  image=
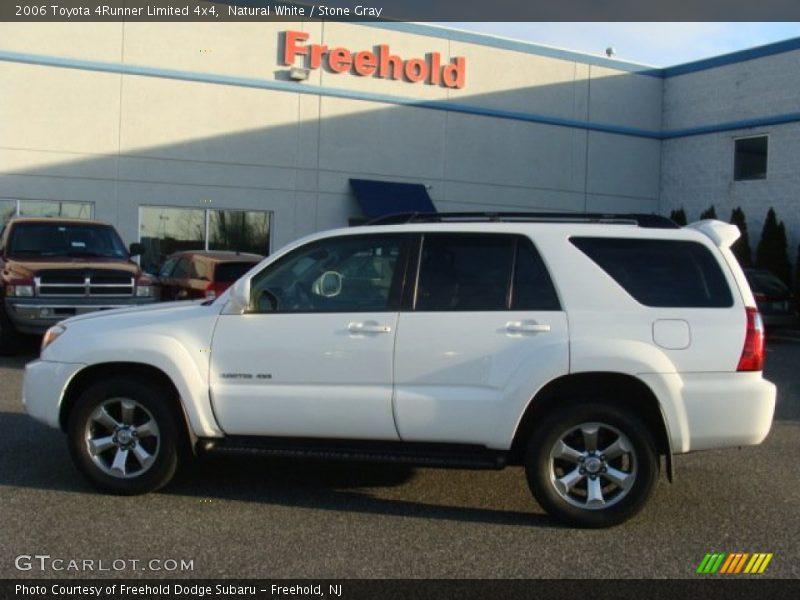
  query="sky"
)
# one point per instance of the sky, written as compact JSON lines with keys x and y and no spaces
{"x":658,"y":44}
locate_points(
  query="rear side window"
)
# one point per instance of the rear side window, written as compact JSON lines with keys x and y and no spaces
{"x":230,"y":272}
{"x":482,"y":272}
{"x":661,"y":273}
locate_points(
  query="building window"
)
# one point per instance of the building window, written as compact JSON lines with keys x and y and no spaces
{"x":164,"y":230}
{"x":8,"y":208}
{"x":45,"y":208}
{"x":750,"y":158}
{"x":238,"y":230}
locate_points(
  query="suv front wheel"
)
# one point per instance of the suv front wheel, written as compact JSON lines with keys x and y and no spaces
{"x":591,"y":465}
{"x":123,"y":436}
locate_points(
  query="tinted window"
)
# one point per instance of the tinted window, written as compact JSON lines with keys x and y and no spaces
{"x":230,"y":272}
{"x":348,"y":274}
{"x":663,"y":273}
{"x":166,"y":268}
{"x":465,"y":272}
{"x":181,"y":270}
{"x":533,"y":288}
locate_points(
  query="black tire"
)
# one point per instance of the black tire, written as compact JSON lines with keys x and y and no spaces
{"x":560,"y":476}
{"x":10,"y":339}
{"x":147,"y":409}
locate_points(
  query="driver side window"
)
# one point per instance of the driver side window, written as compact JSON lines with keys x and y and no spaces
{"x":361,"y":273}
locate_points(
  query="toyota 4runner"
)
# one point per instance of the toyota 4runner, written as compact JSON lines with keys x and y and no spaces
{"x":583,"y":347}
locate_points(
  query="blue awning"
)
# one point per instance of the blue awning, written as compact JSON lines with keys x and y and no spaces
{"x":382,"y":198}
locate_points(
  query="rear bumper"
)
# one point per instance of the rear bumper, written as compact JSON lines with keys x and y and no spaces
{"x":727,"y":409}
{"x":36,"y":315}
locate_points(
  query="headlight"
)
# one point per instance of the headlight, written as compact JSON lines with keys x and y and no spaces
{"x":19,"y":290}
{"x":51,"y":335}
{"x":144,"y":291}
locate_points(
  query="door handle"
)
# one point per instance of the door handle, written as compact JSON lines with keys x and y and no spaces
{"x":527,"y":327}
{"x":368,"y":327}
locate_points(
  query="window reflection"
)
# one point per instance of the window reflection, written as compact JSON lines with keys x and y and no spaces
{"x":238,"y":230}
{"x":44,"y":208}
{"x":164,"y":230}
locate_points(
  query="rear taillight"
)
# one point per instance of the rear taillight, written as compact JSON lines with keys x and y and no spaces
{"x":753,"y":352}
{"x":214,"y":289}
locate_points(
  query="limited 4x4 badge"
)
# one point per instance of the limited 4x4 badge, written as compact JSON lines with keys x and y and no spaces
{"x":246,"y":376}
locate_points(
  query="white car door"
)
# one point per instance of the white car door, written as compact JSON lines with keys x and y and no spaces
{"x":313,"y":355}
{"x":486,"y":331}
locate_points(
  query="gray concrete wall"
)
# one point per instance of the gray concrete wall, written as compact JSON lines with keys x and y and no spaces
{"x":123,"y":140}
{"x":697,"y":171}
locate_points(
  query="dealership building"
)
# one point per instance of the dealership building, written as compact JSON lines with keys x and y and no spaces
{"x":247,"y":135}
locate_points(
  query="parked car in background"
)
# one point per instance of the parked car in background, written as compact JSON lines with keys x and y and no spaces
{"x":775,"y":300}
{"x":52,"y":268}
{"x":201,"y":273}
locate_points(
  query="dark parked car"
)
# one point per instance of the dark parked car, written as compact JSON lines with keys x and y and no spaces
{"x":202,"y":274}
{"x":775,"y":300}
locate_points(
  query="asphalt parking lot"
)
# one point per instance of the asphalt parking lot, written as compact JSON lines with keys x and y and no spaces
{"x":284,"y":519}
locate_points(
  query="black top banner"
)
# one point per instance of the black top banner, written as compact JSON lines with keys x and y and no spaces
{"x":401,"y":10}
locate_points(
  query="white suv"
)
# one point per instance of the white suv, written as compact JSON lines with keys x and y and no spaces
{"x":584,"y":347}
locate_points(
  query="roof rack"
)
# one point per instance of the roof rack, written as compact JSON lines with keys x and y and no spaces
{"x":640,"y":220}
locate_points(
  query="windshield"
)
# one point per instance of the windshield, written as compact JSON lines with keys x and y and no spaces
{"x":66,"y":239}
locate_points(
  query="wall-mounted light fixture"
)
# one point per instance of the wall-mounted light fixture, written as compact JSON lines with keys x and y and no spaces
{"x":298,"y":73}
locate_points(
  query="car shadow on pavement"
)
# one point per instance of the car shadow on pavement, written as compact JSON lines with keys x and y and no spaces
{"x":338,"y":486}
{"x":35,"y":456}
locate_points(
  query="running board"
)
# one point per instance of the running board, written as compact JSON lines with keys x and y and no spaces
{"x":454,"y":456}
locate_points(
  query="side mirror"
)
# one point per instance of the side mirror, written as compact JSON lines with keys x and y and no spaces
{"x":328,"y":285}
{"x":239,"y":300}
{"x":136,"y":249}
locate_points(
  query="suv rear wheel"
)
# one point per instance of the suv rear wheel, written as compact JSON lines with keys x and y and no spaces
{"x":591,"y":465}
{"x":123,"y":436}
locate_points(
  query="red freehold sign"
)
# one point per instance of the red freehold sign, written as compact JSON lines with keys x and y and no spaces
{"x":379,"y":62}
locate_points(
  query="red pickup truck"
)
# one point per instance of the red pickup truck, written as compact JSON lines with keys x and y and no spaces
{"x":55,"y":268}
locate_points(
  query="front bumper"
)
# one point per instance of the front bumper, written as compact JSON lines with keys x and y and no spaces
{"x":43,"y":388}
{"x":36,"y":315}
